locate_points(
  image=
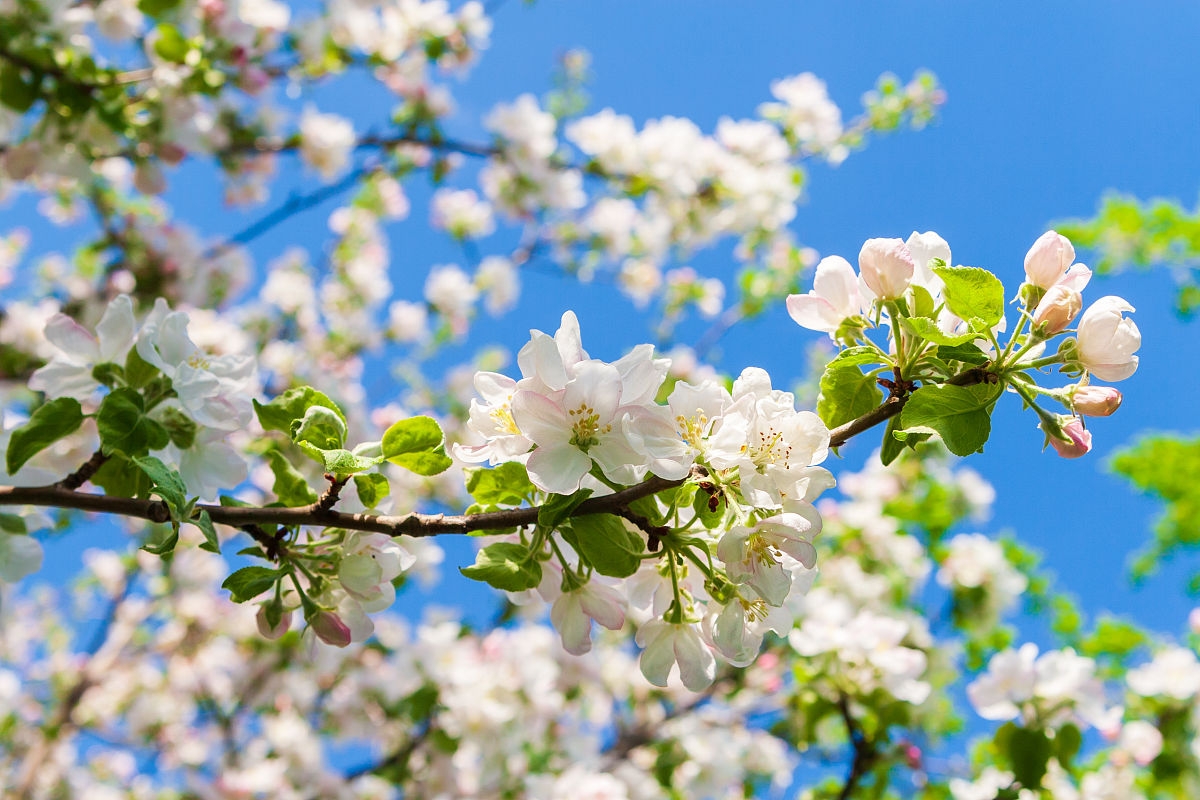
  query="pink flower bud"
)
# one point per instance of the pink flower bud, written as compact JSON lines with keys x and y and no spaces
{"x":264,"y":625}
{"x":1057,"y":309}
{"x":1078,"y":441}
{"x":1047,"y":261}
{"x":887,"y":267}
{"x":330,"y":629}
{"x":148,"y":178}
{"x":1194,"y":621}
{"x":1095,"y":401}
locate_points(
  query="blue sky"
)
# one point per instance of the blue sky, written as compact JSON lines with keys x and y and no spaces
{"x":1050,"y":105}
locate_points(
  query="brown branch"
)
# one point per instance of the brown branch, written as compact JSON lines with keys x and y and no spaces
{"x":864,"y":750}
{"x":84,"y":474}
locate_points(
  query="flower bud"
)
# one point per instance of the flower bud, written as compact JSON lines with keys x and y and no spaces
{"x":1070,"y":440}
{"x":887,"y":267}
{"x":148,"y":178}
{"x":263,"y":619}
{"x":1108,"y":341}
{"x":1095,"y":401}
{"x":1056,"y":310}
{"x":329,"y":628}
{"x":1047,"y":261}
{"x":1194,"y":621}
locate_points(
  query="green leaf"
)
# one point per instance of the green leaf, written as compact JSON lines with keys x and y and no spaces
{"x":280,"y":413}
{"x":290,"y":486}
{"x":343,"y":462}
{"x":928,"y":330}
{"x":416,"y":445}
{"x":17,"y":91}
{"x":138,"y":371}
{"x":11,"y":523}
{"x":710,"y":514}
{"x":1029,"y":752}
{"x":603,"y":541}
{"x":320,"y":427}
{"x":162,"y":540}
{"x":156,"y":8}
{"x":973,"y":293}
{"x":559,"y":506}
{"x":961,"y":415}
{"x":168,"y":484}
{"x":1067,"y":741}
{"x":892,"y":447}
{"x":124,"y":426}
{"x":857,"y":356}
{"x":506,"y":484}
{"x":505,"y":565}
{"x":120,"y":477}
{"x":372,"y":487}
{"x":966,"y":353}
{"x":922,"y":301}
{"x":204,"y":522}
{"x":171,"y":45}
{"x":180,"y":427}
{"x":248,"y":583}
{"x":52,"y":421}
{"x":846,"y":394}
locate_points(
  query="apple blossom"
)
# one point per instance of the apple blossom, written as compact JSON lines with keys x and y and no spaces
{"x":1075,"y":440}
{"x":1095,"y":401}
{"x":572,"y":614}
{"x":1050,"y":262}
{"x":70,"y":371}
{"x":666,"y":644}
{"x":1108,"y":340}
{"x":887,"y":267}
{"x":1057,"y":309}
{"x":833,"y":299}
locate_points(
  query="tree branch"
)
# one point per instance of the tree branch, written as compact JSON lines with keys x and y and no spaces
{"x":864,"y":750}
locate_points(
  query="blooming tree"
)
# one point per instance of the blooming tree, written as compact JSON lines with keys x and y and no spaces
{"x":654,"y":528}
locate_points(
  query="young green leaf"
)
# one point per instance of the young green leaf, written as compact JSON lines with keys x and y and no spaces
{"x":290,"y":487}
{"x":559,"y":506}
{"x":505,"y":565}
{"x":320,"y":427}
{"x":603,"y":541}
{"x":204,"y":522}
{"x":372,"y":487}
{"x":846,"y":394}
{"x":124,"y":426}
{"x":928,"y":330}
{"x":248,"y":583}
{"x":972,"y":293}
{"x":52,"y":421}
{"x":292,"y":405}
{"x":506,"y":484}
{"x":416,"y":445}
{"x":961,"y":415}
{"x":168,"y":484}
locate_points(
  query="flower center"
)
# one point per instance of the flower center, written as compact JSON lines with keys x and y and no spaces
{"x":586,"y":429}
{"x":770,"y":449}
{"x":197,"y":360}
{"x":692,"y":429}
{"x":502,"y":416}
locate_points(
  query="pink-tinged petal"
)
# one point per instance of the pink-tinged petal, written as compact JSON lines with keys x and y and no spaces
{"x":541,"y":362}
{"x":558,"y":469}
{"x":1048,"y":259}
{"x":814,"y":313}
{"x":925,"y":247}
{"x":836,"y":281}
{"x":1077,"y":277}
{"x":604,"y":604}
{"x":76,"y":341}
{"x":569,"y":341}
{"x":573,"y":626}
{"x":330,"y":629}
{"x":117,"y":329}
{"x":697,"y":666}
{"x":887,"y":267}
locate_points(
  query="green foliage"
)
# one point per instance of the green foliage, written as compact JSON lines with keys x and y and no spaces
{"x":1129,"y":232}
{"x":604,"y":542}
{"x":52,"y":421}
{"x":125,"y":427}
{"x":961,"y":415}
{"x":1165,"y":467}
{"x":505,"y":485}
{"x":290,"y":486}
{"x":280,"y":413}
{"x":558,"y":507}
{"x":973,"y":295}
{"x":846,"y":394}
{"x":371,"y":487}
{"x":248,"y":583}
{"x":505,"y":565}
{"x":417,"y":445}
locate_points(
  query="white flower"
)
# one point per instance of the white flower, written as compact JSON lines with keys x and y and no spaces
{"x":1108,"y":341}
{"x":887,"y":267}
{"x":834,"y":298}
{"x":1174,"y":672}
{"x":462,"y":213}
{"x":450,"y":291}
{"x":573,"y":612}
{"x":326,"y":142}
{"x":1050,"y":262}
{"x":69,"y":373}
{"x":493,"y":420}
{"x":497,"y":277}
{"x":370,"y":562}
{"x":1009,"y":681}
{"x":213,"y":390}
{"x":667,"y":644}
{"x":753,"y":556}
